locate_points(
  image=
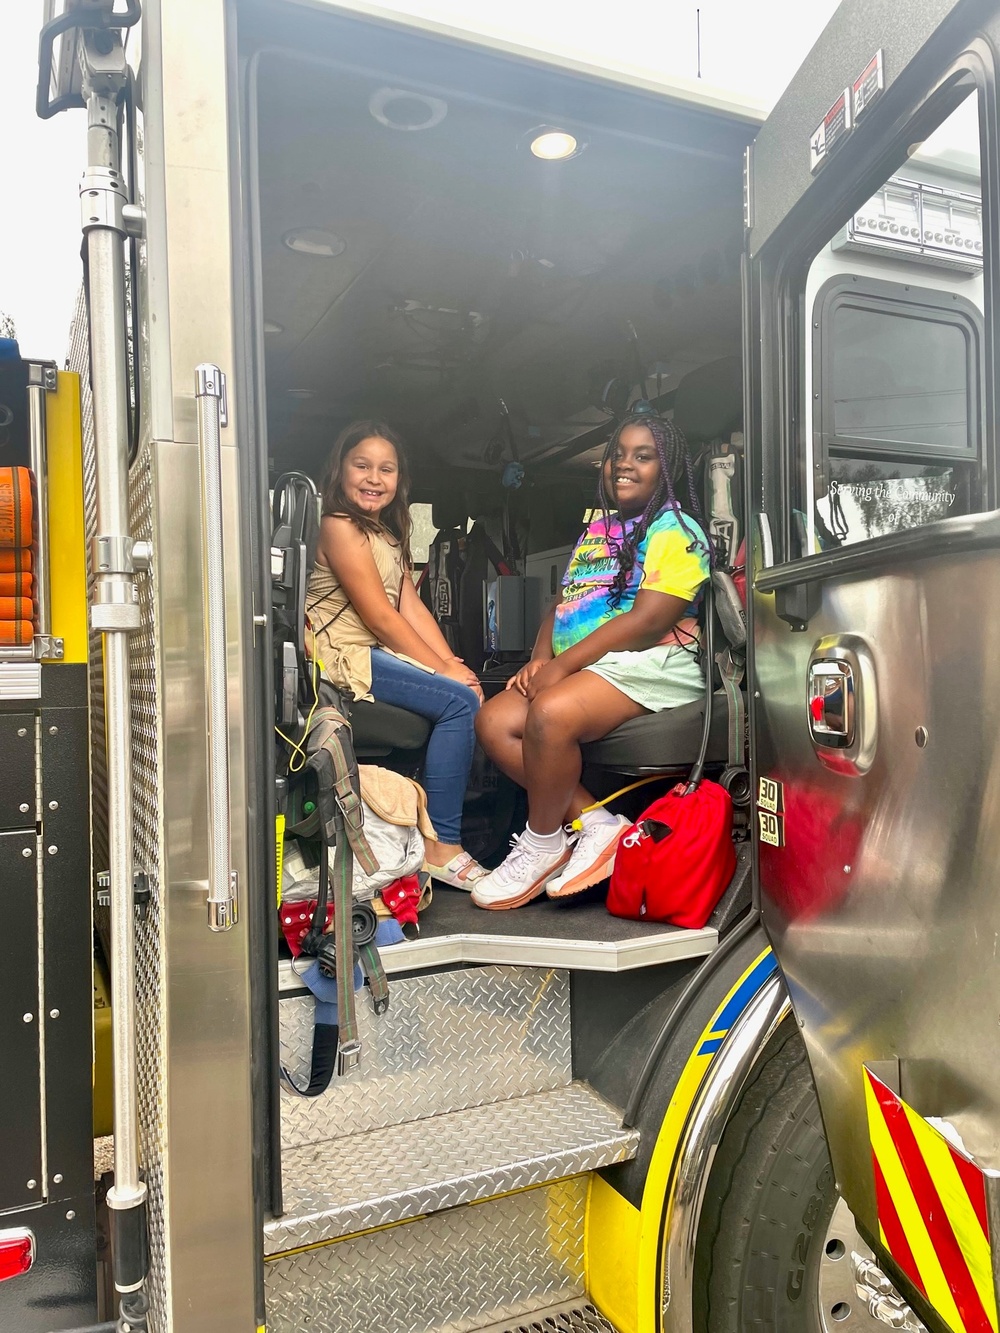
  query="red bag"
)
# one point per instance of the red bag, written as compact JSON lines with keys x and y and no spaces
{"x":675,"y":862}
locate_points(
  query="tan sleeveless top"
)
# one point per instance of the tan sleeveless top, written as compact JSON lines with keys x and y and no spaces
{"x":343,"y":640}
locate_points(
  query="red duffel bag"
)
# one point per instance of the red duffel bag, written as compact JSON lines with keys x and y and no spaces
{"x":674,"y":863}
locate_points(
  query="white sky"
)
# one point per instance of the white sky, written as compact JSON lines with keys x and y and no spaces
{"x":749,"y":47}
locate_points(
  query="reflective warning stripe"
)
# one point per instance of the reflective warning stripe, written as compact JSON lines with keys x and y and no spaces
{"x":931,"y":1216}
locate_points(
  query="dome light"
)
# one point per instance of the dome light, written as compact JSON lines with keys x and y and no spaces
{"x":553,"y":145}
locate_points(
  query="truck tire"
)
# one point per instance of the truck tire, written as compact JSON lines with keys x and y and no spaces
{"x":768,"y":1206}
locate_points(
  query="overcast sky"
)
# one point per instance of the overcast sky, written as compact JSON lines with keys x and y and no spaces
{"x":748,"y":47}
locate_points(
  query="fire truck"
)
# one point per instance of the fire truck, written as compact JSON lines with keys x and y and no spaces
{"x":299,"y":212}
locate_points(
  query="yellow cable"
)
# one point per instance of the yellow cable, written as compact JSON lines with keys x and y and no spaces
{"x":298,"y":747}
{"x":577,"y":823}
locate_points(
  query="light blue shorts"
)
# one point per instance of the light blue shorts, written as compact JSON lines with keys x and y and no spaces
{"x":667,"y":676}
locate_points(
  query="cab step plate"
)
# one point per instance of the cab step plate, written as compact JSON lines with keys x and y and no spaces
{"x":352,"y":1184}
{"x":490,"y":1265}
{"x":580,"y":1317}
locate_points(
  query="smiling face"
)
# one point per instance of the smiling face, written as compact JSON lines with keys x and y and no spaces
{"x":632,"y":474}
{"x":369,"y":474}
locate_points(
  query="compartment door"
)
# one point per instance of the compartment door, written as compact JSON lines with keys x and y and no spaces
{"x":876,"y":632}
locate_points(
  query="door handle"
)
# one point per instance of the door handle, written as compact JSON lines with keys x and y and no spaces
{"x":210,"y":398}
{"x":832,"y":713}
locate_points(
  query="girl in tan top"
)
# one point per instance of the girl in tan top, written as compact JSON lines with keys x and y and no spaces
{"x":374,"y":636}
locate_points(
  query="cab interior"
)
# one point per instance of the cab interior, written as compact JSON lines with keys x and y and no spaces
{"x":419,"y":264}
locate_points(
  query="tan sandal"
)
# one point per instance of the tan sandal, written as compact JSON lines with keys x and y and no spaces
{"x":461,"y":872}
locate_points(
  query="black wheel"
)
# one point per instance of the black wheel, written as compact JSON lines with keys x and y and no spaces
{"x":767,"y":1211}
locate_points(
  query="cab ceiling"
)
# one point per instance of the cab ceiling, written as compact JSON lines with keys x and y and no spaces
{"x":471,"y":272}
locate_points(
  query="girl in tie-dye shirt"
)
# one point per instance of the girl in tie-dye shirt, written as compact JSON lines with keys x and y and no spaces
{"x":620,"y":642}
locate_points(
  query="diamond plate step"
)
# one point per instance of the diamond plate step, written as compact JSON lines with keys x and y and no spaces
{"x":363,"y":1181}
{"x":449,"y":1042}
{"x":488,"y":1265}
{"x":577,"y":1317}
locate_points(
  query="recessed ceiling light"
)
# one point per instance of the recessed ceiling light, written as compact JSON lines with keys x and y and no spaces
{"x":271,"y":327}
{"x":400,"y":109}
{"x":301,"y":393}
{"x":314,"y":241}
{"x":552,"y":145}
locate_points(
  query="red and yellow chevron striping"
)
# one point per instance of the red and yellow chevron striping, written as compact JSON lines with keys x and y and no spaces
{"x":932,"y":1212}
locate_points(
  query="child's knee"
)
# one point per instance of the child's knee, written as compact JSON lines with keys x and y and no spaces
{"x":548,"y":718}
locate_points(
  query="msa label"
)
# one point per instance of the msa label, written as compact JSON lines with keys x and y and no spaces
{"x":770,"y":796}
{"x":772,"y":828}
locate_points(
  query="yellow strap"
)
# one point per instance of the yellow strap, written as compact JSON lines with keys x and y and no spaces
{"x":577,"y":823}
{"x":279,"y":849}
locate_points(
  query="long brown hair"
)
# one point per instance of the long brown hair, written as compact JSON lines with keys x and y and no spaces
{"x":395,"y":517}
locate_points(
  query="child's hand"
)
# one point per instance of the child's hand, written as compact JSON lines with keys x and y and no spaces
{"x":520,"y":681}
{"x":549,"y":674}
{"x":456,"y":669}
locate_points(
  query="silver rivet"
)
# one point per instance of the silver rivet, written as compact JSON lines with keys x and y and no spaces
{"x":22,"y":731}
{"x":53,"y":805}
{"x":57,"y":1178}
{"x":32,"y":1184}
{"x":847,"y":870}
{"x":53,"y":1013}
{"x":27,"y":1018}
{"x":921,"y":737}
{"x":70,"y":1215}
{"x":52,"y":849}
{"x":53,"y":731}
{"x":24,"y":807}
{"x":25,"y":851}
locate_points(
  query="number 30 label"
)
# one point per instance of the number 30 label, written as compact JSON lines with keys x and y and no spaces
{"x":772,"y":830}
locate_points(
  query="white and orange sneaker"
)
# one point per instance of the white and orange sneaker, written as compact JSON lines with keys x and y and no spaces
{"x":522,"y":876}
{"x":592,"y":858}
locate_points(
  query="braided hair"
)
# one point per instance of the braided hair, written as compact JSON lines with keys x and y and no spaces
{"x":675,"y":464}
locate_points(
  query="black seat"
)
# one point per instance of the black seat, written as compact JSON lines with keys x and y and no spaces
{"x":379,"y":728}
{"x":659,"y":742}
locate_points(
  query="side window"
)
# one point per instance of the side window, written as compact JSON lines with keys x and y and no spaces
{"x":424,"y":532}
{"x":891,"y":392}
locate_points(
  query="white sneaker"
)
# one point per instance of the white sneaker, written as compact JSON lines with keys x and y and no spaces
{"x":592,"y":860}
{"x":519,"y":878}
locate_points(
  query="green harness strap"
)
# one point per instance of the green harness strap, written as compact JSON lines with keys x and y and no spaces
{"x":340,"y":820}
{"x":731,"y":671}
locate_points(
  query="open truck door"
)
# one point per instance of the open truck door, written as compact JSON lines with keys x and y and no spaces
{"x":872,"y":261}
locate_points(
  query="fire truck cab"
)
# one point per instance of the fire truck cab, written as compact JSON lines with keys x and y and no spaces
{"x":297,"y":213}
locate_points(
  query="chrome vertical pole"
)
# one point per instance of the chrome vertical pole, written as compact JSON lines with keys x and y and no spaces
{"x":115,"y":613}
{"x":37,"y":386}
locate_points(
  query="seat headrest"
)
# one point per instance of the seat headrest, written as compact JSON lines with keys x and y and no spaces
{"x":449,"y":512}
{"x":708,"y":404}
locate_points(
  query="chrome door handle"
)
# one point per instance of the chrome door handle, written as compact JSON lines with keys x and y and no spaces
{"x":831,"y":703}
{"x":210,"y":398}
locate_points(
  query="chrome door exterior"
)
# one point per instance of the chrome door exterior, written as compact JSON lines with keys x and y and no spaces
{"x":882,"y":900}
{"x":193,"y":983}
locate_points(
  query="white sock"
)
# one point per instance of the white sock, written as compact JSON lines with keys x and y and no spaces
{"x":602,"y":815}
{"x":544,"y":842}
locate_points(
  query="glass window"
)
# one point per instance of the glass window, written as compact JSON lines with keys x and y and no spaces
{"x":891,"y":396}
{"x":898,"y":378}
{"x":423,"y":533}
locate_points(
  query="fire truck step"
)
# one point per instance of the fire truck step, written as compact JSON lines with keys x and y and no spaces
{"x":487,"y":1266}
{"x":574,"y":1317}
{"x":362,"y":1181}
{"x":450,"y":1041}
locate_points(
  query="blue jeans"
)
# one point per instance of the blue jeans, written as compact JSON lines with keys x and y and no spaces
{"x":452,"y":709}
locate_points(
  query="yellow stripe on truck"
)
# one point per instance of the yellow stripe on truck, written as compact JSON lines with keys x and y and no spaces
{"x":67,"y":536}
{"x":623,"y":1242}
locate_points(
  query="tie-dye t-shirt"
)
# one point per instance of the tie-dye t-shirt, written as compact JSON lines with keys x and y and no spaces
{"x":665,"y":562}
